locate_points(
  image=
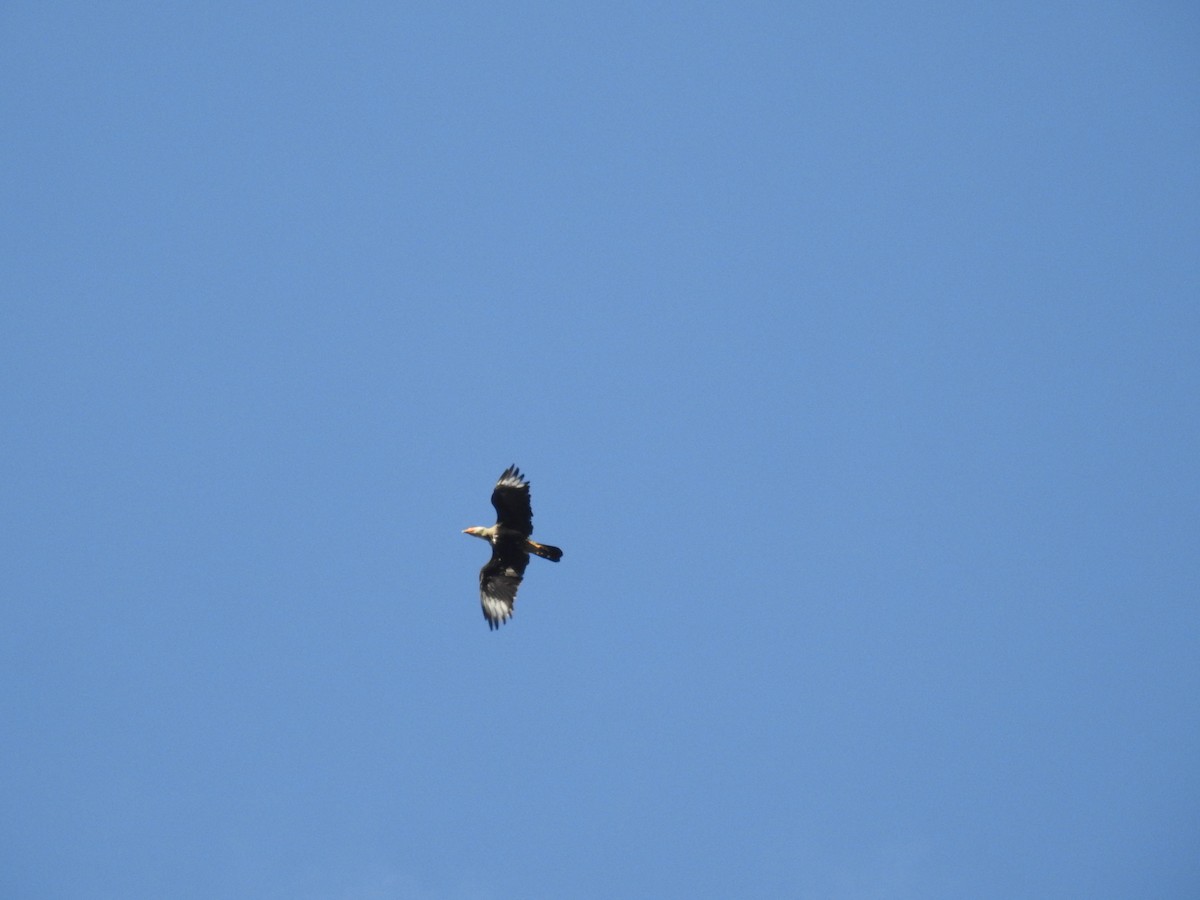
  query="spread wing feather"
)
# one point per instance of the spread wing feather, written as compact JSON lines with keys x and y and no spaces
{"x":498,"y":583}
{"x":511,"y":499}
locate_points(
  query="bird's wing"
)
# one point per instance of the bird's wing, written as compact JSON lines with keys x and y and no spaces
{"x":511,"y":499}
{"x":498,"y":583}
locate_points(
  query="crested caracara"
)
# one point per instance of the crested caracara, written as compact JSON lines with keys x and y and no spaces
{"x":511,"y":546}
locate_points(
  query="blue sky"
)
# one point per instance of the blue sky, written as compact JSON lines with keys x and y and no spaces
{"x":852,"y":352}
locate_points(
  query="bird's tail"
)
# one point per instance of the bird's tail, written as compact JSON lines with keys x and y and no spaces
{"x":545,"y":551}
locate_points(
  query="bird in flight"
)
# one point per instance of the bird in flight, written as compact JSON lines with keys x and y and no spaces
{"x":511,"y":546}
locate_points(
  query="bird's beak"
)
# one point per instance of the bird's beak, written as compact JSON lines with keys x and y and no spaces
{"x":468,"y":531}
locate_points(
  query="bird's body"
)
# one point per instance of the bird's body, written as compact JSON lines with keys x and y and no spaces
{"x":511,"y":546}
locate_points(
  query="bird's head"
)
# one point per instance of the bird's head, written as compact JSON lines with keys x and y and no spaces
{"x":475,"y":531}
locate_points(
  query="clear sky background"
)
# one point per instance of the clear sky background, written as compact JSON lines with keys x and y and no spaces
{"x":852,"y":350}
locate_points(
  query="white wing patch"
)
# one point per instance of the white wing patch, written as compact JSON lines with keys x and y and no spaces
{"x":513,"y":481}
{"x":496,"y":609}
